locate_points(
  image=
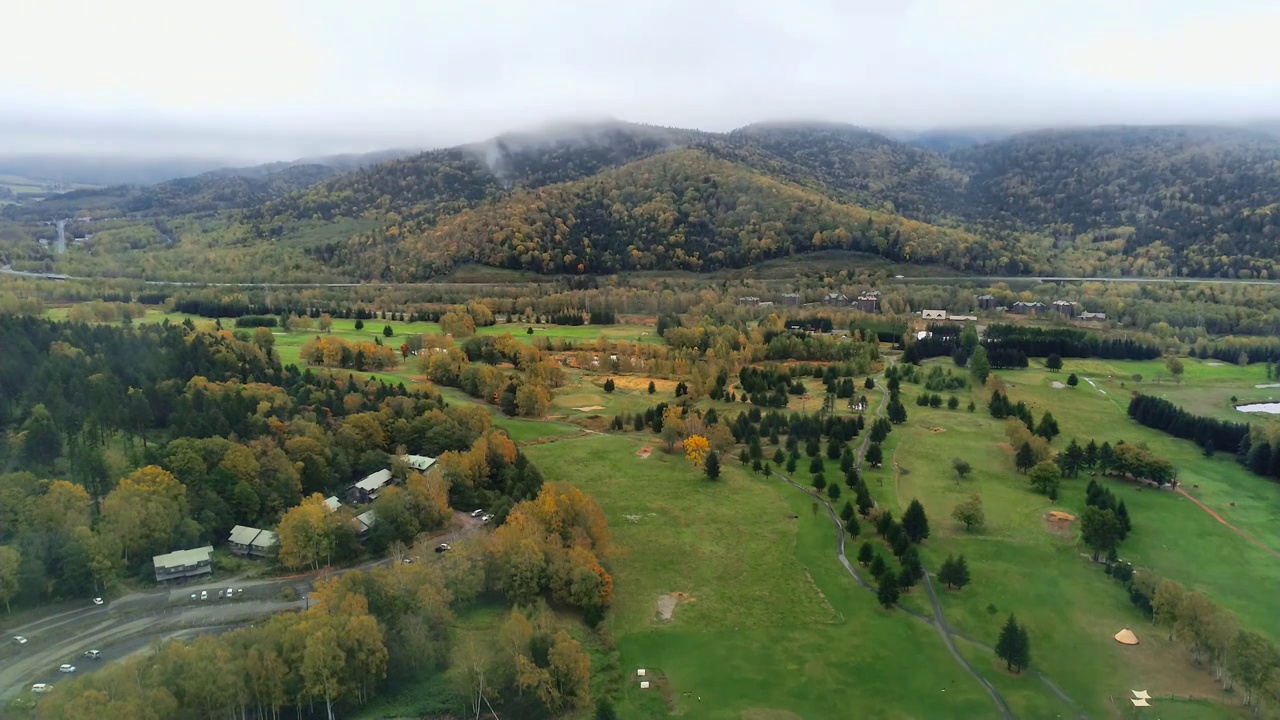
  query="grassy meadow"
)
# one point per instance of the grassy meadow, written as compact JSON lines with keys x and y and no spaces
{"x":770,"y":625}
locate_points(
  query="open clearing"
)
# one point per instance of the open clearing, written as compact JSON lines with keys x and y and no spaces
{"x":763,"y":632}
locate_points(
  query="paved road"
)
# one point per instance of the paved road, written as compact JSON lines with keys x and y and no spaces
{"x":902,"y":280}
{"x":131,"y":623}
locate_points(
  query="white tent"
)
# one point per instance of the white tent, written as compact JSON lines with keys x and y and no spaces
{"x":1139,"y":702}
{"x":1141,"y":694}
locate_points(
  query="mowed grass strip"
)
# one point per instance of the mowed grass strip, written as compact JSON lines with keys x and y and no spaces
{"x":771,"y":621}
{"x":1019,"y":565}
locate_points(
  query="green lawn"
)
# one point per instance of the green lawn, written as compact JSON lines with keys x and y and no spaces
{"x":1070,"y":607}
{"x":772,"y":622}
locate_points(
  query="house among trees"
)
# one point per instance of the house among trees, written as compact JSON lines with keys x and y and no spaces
{"x":1093,"y":316}
{"x":869,"y":302}
{"x":791,"y":298}
{"x":252,"y":541}
{"x":366,"y":491}
{"x":1065,"y":308}
{"x":933,"y":314}
{"x":749,"y":300}
{"x":332,"y":503}
{"x":832,"y":298}
{"x":184,"y":564}
{"x":421,"y":463}
{"x":987,"y":302}
{"x":363,"y":522}
{"x":1028,"y":308}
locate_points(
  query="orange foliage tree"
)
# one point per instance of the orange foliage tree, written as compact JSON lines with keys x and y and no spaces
{"x":696,"y":448}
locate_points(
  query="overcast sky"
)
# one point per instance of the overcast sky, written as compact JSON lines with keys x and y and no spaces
{"x":272,"y":79}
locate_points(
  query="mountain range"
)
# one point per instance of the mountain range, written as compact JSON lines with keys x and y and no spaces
{"x":597,"y":198}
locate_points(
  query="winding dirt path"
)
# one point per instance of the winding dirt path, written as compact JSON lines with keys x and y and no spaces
{"x":1234,"y":529}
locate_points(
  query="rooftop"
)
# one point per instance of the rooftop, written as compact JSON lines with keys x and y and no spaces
{"x":183,"y":558}
{"x":366,"y":518}
{"x":375,"y":481}
{"x":421,"y":463}
{"x":265,"y":539}
{"x":241,"y":535}
{"x":332,"y":502}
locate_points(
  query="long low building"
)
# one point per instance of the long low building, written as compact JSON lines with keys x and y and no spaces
{"x":366,"y":491}
{"x":184,"y":563}
{"x":251,"y":541}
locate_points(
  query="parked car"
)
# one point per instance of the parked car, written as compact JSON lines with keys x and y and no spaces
{"x":67,"y":668}
{"x":239,"y":591}
{"x":92,"y":654}
{"x":230,"y":592}
{"x":19,"y":639}
{"x":443,"y":547}
{"x":97,"y":601}
{"x":204,"y":594}
{"x":40,"y":688}
{"x":485,"y":518}
{"x":477,"y":513}
{"x":407,"y":561}
{"x":193,"y":596}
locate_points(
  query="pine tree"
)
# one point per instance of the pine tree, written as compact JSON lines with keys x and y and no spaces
{"x":1053,"y":362}
{"x":887,"y":591}
{"x":711,"y":466}
{"x":652,"y":388}
{"x":961,"y":576}
{"x":875,"y":455}
{"x":846,"y":460}
{"x":778,"y":457}
{"x":877,"y":566}
{"x":791,"y":464}
{"x":1122,"y":514}
{"x":865,"y":554}
{"x":819,"y":481}
{"x":915,"y":523}
{"x":1025,"y":458}
{"x":885,"y":524}
{"x":851,"y":525}
{"x":912,"y":569}
{"x":898,"y":541}
{"x":847,"y":511}
{"x":1072,"y":380}
{"x":815,"y":465}
{"x":1008,"y":646}
{"x":833,"y":491}
{"x":608,"y":385}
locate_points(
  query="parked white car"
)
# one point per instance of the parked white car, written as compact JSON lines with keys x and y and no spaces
{"x":97,"y":601}
{"x":477,"y":513}
{"x":486,"y":518}
{"x":19,"y":639}
{"x":67,"y":668}
{"x":204,"y":594}
{"x":40,"y":688}
{"x":93,"y":654}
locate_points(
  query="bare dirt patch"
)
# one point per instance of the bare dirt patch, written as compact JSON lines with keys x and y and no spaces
{"x":1059,"y":523}
{"x":644,"y":452}
{"x":937,"y":430}
{"x":639,"y":383}
{"x":667,"y":604}
{"x":589,"y":408}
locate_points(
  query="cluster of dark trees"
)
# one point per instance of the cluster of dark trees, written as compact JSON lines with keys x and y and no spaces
{"x":1065,"y":342}
{"x":902,"y":537}
{"x":769,"y":386}
{"x":1001,"y":407}
{"x":1209,"y":433}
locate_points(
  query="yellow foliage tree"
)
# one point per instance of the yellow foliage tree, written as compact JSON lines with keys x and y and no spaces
{"x":696,"y":448}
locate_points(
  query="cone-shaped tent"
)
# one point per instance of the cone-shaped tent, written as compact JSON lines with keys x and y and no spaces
{"x":1126,"y":637}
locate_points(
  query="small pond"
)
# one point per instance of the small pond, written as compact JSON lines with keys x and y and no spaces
{"x":1271,"y":408}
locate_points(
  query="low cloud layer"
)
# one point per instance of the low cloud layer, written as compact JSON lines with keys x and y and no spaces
{"x":282,"y":78}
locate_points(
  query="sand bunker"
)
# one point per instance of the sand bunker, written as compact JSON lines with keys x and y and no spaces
{"x":1126,"y":637}
{"x":644,"y":452}
{"x":667,"y":604}
{"x":1059,"y":523}
{"x":937,"y":430}
{"x":1057,"y":385}
{"x":589,"y":408}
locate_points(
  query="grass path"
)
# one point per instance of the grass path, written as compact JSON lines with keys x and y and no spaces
{"x":1235,"y":529}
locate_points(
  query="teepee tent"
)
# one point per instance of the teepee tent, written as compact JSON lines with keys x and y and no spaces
{"x":1126,"y":637}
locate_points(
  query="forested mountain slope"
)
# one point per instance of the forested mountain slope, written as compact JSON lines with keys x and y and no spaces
{"x":607,"y":197}
{"x":683,"y":209}
{"x":1204,"y":199}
